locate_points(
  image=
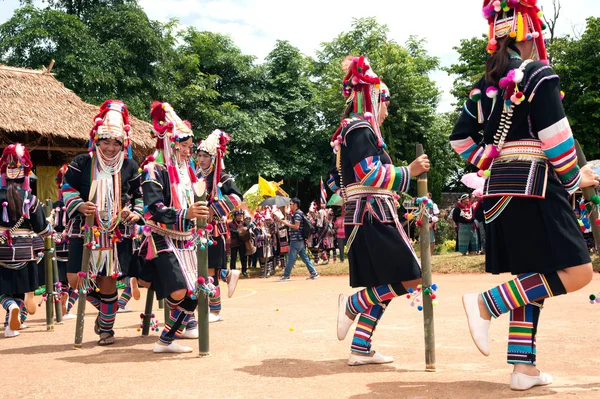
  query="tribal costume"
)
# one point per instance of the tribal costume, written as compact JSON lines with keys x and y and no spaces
{"x":169,"y":246}
{"x":527,"y":154}
{"x":223,"y":197}
{"x":23,"y":226}
{"x":112,"y":184}
{"x":380,"y":254}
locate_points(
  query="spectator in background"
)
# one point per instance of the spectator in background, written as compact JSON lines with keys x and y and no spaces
{"x":341,"y":235}
{"x":238,"y":227}
{"x":297,"y":245}
{"x":463,"y":218}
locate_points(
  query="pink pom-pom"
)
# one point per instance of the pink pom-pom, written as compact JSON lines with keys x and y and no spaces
{"x":511,"y":75}
{"x":99,"y":121}
{"x":406,"y":215}
{"x":201,"y":280}
{"x":209,"y":227}
{"x":504,"y":82}
{"x":170,"y":125}
{"x":127,"y":128}
{"x":480,"y":173}
{"x":211,"y":280}
{"x":355,"y":80}
{"x":434,"y":219}
{"x":536,"y":35}
{"x":5,"y":204}
{"x":425,"y":201}
{"x":491,"y":92}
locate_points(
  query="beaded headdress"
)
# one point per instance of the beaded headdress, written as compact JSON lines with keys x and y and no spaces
{"x":16,"y":164}
{"x":215,"y":145}
{"x":517,"y":19}
{"x":112,"y":122}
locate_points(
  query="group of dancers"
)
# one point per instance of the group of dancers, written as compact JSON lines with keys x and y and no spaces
{"x":139,"y":224}
{"x":526,"y":153}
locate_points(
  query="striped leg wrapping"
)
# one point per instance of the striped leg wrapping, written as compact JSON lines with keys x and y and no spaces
{"x":365,"y":299}
{"x":108,"y":310}
{"x":522,"y":334}
{"x":525,"y":289}
{"x":178,"y":319}
{"x":214,"y":303}
{"x":125,"y":297}
{"x":367,"y":322}
{"x":73,"y":296}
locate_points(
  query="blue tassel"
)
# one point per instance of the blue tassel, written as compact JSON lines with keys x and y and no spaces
{"x":129,"y":152}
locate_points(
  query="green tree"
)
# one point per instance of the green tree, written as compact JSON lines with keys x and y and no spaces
{"x":577,"y":62}
{"x":115,"y":52}
{"x":472,"y":56}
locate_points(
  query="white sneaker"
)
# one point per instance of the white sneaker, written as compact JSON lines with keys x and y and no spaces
{"x":124,"y":310}
{"x":14,"y":318}
{"x":135,"y":289}
{"x":189,"y":334}
{"x":377,"y":358}
{"x":232,"y":283}
{"x":478,"y":327}
{"x":523,"y":382}
{"x":212,"y":317}
{"x":343,"y":321}
{"x":172,"y":348}
{"x":69,"y":316}
{"x":10,"y":333}
{"x":23,"y":326}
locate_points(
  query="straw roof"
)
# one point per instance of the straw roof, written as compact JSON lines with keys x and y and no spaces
{"x":37,"y":106}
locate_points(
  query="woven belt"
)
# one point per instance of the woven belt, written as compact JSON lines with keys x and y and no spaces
{"x":361,"y":191}
{"x":522,"y":149}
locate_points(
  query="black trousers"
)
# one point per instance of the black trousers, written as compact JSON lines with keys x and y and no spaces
{"x":243,"y":258}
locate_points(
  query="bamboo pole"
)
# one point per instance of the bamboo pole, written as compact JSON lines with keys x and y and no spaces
{"x":427,"y":279}
{"x":588,"y":193}
{"x":203,"y":333}
{"x":49,"y":286}
{"x":85,"y":267}
{"x":147,"y":312}
{"x":57,"y":304}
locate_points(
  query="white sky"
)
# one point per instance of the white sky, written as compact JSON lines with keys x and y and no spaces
{"x":255,"y":25}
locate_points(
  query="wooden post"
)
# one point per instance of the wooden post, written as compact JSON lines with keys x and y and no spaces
{"x":426,"y":271}
{"x":85,"y":267}
{"x":49,"y":283}
{"x":161,"y":304}
{"x":57,"y":305}
{"x":203,"y":337}
{"x":588,"y":193}
{"x":147,"y":312}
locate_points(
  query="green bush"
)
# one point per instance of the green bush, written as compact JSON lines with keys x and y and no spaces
{"x":444,"y":231}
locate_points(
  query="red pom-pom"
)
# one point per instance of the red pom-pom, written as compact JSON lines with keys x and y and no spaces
{"x":99,"y":121}
{"x":201,"y":280}
{"x":419,"y":223}
{"x":582,"y":206}
{"x":127,"y":128}
{"x":597,"y":222}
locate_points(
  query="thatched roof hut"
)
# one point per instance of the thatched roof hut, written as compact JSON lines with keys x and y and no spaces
{"x":52,"y":121}
{"x":40,"y":112}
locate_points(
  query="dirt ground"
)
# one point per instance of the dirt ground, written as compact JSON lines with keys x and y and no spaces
{"x":277,"y":340}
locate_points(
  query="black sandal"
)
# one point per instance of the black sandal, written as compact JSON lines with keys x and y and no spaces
{"x":103,"y":341}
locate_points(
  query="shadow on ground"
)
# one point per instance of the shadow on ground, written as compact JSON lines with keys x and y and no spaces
{"x":301,"y":368}
{"x":463,"y":389}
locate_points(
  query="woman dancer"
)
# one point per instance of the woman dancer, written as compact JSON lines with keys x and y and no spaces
{"x":528,"y":153}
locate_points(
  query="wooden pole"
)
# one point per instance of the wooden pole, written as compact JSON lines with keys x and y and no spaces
{"x":57,"y":304}
{"x":161,"y":304}
{"x":49,"y":286}
{"x":426,"y":270}
{"x":147,"y":312}
{"x":588,"y":193}
{"x":85,"y":267}
{"x":203,"y":334}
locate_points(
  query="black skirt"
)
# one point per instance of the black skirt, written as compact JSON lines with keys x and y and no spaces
{"x":62,"y":272}
{"x":379,"y":255}
{"x":217,"y":257}
{"x":534,"y":235}
{"x":129,"y":262}
{"x":164,"y":275}
{"x":19,"y":281}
